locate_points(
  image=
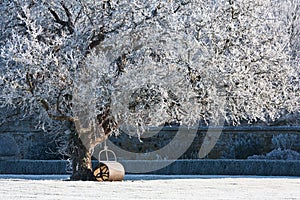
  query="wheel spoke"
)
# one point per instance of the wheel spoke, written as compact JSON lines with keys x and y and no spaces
{"x":101,"y":173}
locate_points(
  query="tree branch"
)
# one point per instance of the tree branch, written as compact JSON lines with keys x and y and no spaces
{"x":97,"y":38}
{"x":61,"y":118}
{"x":68,"y":23}
{"x":29,"y":82}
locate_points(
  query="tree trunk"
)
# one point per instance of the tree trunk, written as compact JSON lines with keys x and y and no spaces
{"x":81,"y":159}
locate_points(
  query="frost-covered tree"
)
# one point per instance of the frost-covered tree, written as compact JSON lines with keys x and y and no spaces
{"x":104,"y":64}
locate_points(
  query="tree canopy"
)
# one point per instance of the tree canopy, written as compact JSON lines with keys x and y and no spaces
{"x":115,"y":63}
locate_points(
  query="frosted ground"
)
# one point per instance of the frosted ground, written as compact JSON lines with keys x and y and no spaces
{"x":151,"y":187}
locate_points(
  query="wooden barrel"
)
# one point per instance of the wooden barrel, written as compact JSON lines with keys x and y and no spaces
{"x":109,"y":171}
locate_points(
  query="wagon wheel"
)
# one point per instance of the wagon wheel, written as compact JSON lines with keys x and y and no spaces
{"x":101,"y":173}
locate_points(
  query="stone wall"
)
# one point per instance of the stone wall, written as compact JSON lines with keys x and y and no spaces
{"x":20,"y":140}
{"x":233,"y":143}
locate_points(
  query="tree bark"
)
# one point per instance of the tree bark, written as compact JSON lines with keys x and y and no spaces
{"x":81,"y":157}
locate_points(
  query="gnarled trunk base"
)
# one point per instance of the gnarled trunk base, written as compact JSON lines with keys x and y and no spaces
{"x":81,"y":157}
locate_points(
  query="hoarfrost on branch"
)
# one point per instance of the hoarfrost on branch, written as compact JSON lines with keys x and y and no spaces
{"x":111,"y":63}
